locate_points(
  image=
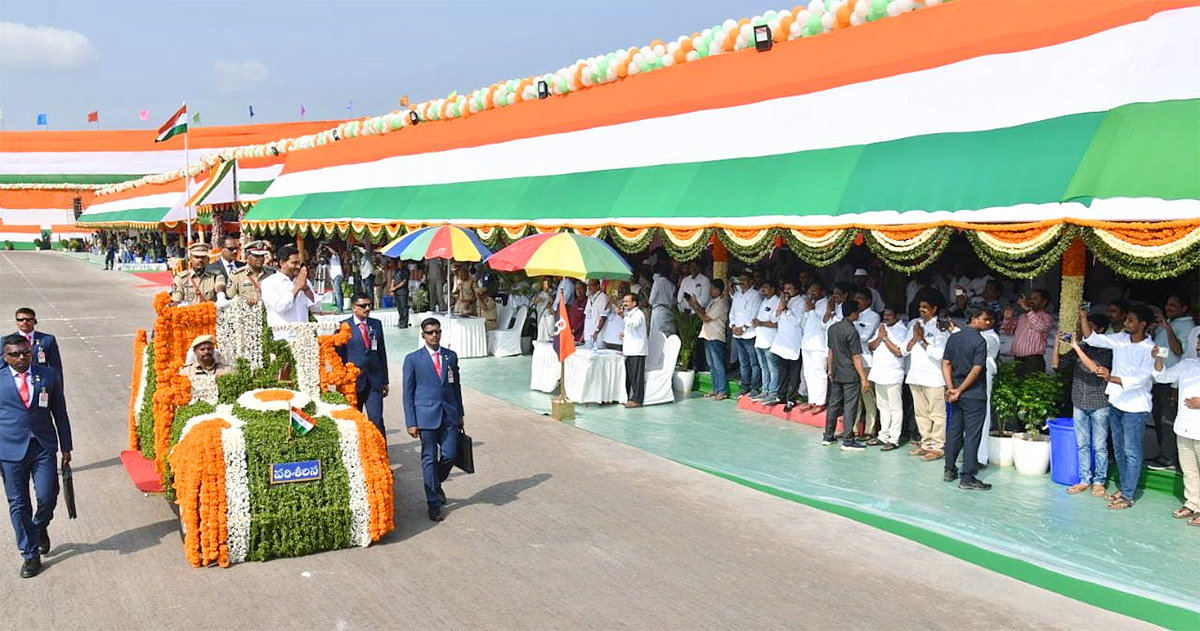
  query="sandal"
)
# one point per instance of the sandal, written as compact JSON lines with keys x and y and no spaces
{"x":1120,"y":504}
{"x":1115,"y":496}
{"x":1183,"y":512}
{"x":1195,"y":521}
{"x":1075,"y":489}
{"x":1098,"y":490}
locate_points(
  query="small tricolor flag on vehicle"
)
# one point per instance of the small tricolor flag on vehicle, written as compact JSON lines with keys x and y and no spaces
{"x":302,"y":422}
{"x":178,"y":124}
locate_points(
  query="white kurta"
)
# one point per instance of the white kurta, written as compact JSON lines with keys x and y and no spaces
{"x":282,"y":306}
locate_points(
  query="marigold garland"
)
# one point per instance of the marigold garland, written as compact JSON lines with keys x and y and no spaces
{"x":174,"y":330}
{"x":199,"y":465}
{"x":334,"y":374}
{"x":685,"y":244}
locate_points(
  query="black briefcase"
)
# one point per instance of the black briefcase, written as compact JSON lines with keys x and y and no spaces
{"x":466,"y":453}
{"x":68,"y":485}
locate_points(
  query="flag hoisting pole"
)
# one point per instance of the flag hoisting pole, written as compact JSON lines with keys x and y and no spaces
{"x":187,"y":183}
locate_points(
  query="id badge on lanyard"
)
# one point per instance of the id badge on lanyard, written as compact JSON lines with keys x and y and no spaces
{"x":449,"y":374}
{"x":374,"y":343}
{"x":41,"y":357}
{"x":43,"y":398}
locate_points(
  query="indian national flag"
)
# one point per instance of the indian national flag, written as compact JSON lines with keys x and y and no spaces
{"x":302,"y":422}
{"x":175,"y":126}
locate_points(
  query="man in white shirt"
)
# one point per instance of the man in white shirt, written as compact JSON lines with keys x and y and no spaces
{"x":595,"y":314}
{"x":765,"y":324}
{"x":614,"y":325}
{"x":566,"y":290}
{"x":288,"y":296}
{"x":867,"y":325}
{"x":745,"y":304}
{"x":713,"y":333}
{"x":1171,"y":330}
{"x":887,"y":376}
{"x":366,"y":269}
{"x":814,"y":348}
{"x":1128,"y":393}
{"x":927,"y":337}
{"x":335,"y":277}
{"x":860,"y":283}
{"x":1185,"y":375}
{"x":695,"y":284}
{"x":634,"y":347}
{"x":662,"y":296}
{"x":786,"y":347}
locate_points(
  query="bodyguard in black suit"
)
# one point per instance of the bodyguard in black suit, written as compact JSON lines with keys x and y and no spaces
{"x":367,"y":351}
{"x":227,"y":263}
{"x":43,"y":345}
{"x":33,"y":426}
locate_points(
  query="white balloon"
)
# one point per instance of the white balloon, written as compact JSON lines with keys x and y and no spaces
{"x":660,"y":50}
{"x":892,"y":10}
{"x":802,"y":17}
{"x":855,"y":19}
{"x":816,"y":6}
{"x":633,"y":69}
{"x":671,"y":48}
{"x":904,"y":5}
{"x":932,"y":3}
{"x":773,"y":24}
{"x":729,"y":25}
{"x":668,"y":60}
{"x":638,"y":58}
{"x":827,"y":22}
{"x":692,"y":55}
{"x":696,"y":41}
{"x":794,"y":29}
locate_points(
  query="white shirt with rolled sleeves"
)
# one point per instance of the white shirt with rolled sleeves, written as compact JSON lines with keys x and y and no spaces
{"x":790,"y":329}
{"x":867,"y":325}
{"x":614,"y":325}
{"x":1182,"y":326}
{"x":1184,"y":375}
{"x":282,"y":306}
{"x":764,"y":336}
{"x":1133,"y":364}
{"x":596,"y":308}
{"x":816,"y":329}
{"x":886,"y":366}
{"x":697,"y":286}
{"x":925,"y":362}
{"x":742,"y":310}
{"x":634,"y":343}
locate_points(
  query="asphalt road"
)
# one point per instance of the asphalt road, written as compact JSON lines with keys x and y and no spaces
{"x":559,"y":529}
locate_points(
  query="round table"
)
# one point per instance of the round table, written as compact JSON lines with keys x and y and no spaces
{"x":546,"y":368}
{"x":464,"y":335}
{"x":595,"y":376}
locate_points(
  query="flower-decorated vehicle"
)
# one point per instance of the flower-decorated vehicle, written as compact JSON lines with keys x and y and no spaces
{"x":227,"y":446}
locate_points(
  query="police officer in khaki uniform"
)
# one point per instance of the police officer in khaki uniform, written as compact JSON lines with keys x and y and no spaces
{"x":206,"y":362}
{"x":246,"y":281}
{"x":196,"y":284}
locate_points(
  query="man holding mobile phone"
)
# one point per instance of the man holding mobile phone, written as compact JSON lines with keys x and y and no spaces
{"x":1030,"y":332}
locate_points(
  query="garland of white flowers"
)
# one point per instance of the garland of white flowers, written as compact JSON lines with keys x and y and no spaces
{"x":1022,"y":248}
{"x":237,"y":492}
{"x":901,"y":246}
{"x":141,"y":393}
{"x":306,"y":352}
{"x":360,"y":508}
{"x":204,"y":388}
{"x":239,"y":331}
{"x":1148,"y":251}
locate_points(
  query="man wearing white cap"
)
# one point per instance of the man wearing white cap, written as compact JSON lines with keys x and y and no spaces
{"x":197,"y":284}
{"x":860,"y":282}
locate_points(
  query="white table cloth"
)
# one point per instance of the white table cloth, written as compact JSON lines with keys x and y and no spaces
{"x":463,"y":335}
{"x":595,"y":377}
{"x":546,"y":368}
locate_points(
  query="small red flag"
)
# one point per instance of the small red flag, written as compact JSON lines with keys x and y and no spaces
{"x":564,"y":339}
{"x":94,"y":116}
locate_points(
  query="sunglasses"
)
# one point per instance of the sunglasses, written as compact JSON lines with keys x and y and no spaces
{"x":432,"y":332}
{"x":363,"y":305}
{"x":26,"y":319}
{"x":19,"y":353}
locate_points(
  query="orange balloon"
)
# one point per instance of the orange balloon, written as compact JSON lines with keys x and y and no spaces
{"x":686,"y":46}
{"x":657,"y":42}
{"x":680,"y":56}
{"x":742,"y":22}
{"x":851,"y":3}
{"x":623,"y":69}
{"x":578,"y":78}
{"x":785,"y":28}
{"x":730,"y":42}
{"x":843,"y":17}
{"x":797,"y":9}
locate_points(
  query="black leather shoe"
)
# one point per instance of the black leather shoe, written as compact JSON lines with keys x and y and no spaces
{"x":949,"y":476}
{"x":435,"y":514}
{"x":974,"y":485}
{"x":44,"y":546}
{"x":31,"y":568}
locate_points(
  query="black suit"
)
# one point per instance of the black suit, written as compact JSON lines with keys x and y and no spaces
{"x":219,"y":268}
{"x":370,"y":355}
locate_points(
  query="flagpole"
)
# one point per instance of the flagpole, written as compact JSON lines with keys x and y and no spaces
{"x":187,"y":183}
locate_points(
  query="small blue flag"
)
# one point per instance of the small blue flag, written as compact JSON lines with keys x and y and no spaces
{"x":251,"y":111}
{"x":43,"y":120}
{"x":350,"y":106}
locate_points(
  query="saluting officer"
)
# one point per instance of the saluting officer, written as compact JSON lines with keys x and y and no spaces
{"x":197,"y":284}
{"x":247,"y":281}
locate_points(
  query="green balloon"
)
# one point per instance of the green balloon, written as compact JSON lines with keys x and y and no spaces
{"x":814,"y":23}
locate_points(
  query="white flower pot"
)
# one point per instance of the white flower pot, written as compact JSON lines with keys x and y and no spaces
{"x":1000,"y":451}
{"x":683,"y":381}
{"x":1031,"y":457}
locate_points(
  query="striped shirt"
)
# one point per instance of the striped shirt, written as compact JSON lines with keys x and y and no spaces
{"x":1029,"y":333}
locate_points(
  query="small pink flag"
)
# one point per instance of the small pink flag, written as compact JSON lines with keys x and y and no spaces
{"x":144,"y":115}
{"x":301,"y":111}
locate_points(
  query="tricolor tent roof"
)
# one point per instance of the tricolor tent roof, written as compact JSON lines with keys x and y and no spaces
{"x":142,"y":207}
{"x":990,"y":111}
{"x":237,"y":181}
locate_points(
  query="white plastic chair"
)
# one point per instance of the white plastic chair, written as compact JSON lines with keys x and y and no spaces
{"x":505,"y":342}
{"x":658,"y":381}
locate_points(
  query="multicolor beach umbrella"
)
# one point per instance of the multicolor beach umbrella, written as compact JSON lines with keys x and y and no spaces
{"x":562,"y":254}
{"x":438,"y":242}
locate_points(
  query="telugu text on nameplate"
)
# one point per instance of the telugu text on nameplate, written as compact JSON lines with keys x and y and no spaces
{"x":287,"y":472}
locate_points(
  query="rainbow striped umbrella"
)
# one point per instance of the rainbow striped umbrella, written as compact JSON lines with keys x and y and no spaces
{"x":438,"y":242}
{"x":561,"y":254}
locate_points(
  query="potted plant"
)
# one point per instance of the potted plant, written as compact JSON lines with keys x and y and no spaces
{"x":1037,"y":402}
{"x":1005,"y":389}
{"x":687,"y":327}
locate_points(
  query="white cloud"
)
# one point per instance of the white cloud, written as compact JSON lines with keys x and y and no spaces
{"x":234,"y":76}
{"x":26,"y":48}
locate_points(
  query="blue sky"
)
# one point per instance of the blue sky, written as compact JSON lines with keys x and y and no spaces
{"x":67,"y":58}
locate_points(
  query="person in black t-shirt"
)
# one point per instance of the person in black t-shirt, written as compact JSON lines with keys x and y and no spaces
{"x":964,"y":365}
{"x":847,"y":378}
